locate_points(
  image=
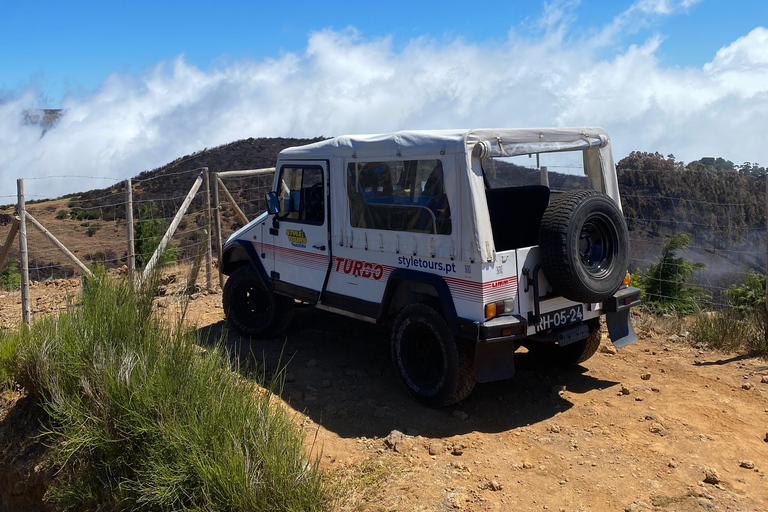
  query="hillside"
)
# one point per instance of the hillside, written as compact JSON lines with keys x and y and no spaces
{"x":92,"y":224}
{"x":721,"y":205}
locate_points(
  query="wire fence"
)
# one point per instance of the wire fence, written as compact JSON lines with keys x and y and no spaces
{"x":727,"y":237}
{"x":93,"y":226}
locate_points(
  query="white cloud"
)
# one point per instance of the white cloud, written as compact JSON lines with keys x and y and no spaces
{"x":346,"y":83}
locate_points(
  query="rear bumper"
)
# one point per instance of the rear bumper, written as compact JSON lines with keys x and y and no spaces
{"x":504,"y":327}
{"x":510,"y":327}
{"x":622,"y":300}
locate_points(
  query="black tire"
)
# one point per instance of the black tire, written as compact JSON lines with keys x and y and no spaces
{"x":584,"y":246}
{"x":569,"y":355}
{"x":436,"y":369}
{"x":252,"y":309}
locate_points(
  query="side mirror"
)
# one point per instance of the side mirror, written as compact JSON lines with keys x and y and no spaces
{"x":273,"y":203}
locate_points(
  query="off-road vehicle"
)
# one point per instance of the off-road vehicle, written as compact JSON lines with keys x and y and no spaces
{"x":472,"y":243}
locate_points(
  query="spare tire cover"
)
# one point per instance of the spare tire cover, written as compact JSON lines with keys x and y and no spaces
{"x":584,"y":245}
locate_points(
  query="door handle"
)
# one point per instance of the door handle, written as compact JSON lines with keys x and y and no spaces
{"x":319,"y":247}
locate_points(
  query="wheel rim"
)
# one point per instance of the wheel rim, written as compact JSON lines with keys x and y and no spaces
{"x":423,"y":359}
{"x":597,"y":245}
{"x":252,"y":304}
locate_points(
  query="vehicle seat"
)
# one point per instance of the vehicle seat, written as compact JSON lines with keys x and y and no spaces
{"x":516,"y":215}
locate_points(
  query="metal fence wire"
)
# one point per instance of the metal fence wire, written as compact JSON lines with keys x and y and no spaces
{"x":93,"y":226}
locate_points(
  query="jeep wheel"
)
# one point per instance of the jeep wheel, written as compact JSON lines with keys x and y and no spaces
{"x":569,"y":355}
{"x":252,"y":309}
{"x":584,"y":246}
{"x":436,"y":368}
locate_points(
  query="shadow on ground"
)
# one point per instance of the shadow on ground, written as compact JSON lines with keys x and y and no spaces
{"x":339,"y":372}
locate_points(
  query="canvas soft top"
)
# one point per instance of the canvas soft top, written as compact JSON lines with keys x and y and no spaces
{"x":472,"y":237}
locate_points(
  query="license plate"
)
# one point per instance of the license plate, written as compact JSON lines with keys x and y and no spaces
{"x":560,"y":318}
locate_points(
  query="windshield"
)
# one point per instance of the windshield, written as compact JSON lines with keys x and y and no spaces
{"x":559,"y":171}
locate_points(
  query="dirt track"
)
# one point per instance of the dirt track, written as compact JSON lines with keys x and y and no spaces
{"x":544,"y":440}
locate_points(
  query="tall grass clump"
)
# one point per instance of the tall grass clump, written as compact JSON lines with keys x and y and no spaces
{"x":142,"y":418}
{"x":741,"y":325}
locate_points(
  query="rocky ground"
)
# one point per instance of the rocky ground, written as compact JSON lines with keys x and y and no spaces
{"x":659,"y":425}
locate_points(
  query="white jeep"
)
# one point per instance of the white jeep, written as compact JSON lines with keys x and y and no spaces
{"x":471,"y":242}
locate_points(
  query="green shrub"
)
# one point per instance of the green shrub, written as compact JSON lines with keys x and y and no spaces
{"x":85,"y":213}
{"x":148,"y":232}
{"x":10,"y":278}
{"x":667,"y":283}
{"x":142,"y":419}
{"x":741,"y":324}
{"x":749,"y":296}
{"x":62,"y":214}
{"x":92,"y":229}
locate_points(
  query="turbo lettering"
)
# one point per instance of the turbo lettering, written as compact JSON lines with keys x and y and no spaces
{"x":357,"y":268}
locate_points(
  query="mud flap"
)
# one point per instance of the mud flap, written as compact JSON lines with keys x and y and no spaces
{"x":620,"y":328}
{"x":494,"y":360}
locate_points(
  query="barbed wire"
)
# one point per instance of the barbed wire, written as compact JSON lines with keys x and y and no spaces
{"x":106,"y":242}
{"x":683,"y":199}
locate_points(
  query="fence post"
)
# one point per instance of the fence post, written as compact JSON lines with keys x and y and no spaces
{"x":208,"y":256}
{"x":217,"y":227}
{"x":766,"y":260}
{"x":171,"y":230}
{"x":129,"y":231}
{"x":22,"y":212}
{"x":224,"y":190}
{"x":58,"y":244}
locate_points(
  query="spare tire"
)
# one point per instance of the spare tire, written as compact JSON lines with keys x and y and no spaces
{"x":584,"y":245}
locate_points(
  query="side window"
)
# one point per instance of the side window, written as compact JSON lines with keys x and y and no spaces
{"x":399,"y":196}
{"x":300,"y":191}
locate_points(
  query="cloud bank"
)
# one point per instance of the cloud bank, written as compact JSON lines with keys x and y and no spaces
{"x":344,"y":82}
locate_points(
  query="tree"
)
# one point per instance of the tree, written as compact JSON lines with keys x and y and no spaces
{"x":667,"y":282}
{"x":147,"y":235}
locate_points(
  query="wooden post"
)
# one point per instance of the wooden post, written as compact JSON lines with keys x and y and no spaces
{"x":22,"y":211}
{"x":58,"y":244}
{"x":171,"y":230}
{"x":208,"y":238}
{"x":766,"y":260}
{"x":544,"y":174}
{"x":238,"y":211}
{"x":246,"y":173}
{"x":217,"y":227}
{"x":129,"y":231}
{"x":9,"y":241}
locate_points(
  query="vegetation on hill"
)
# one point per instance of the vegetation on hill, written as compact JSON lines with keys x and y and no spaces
{"x":713,"y":200}
{"x":168,"y":185}
{"x":140,"y":418}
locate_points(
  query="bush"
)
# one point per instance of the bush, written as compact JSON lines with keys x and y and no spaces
{"x":741,"y":325}
{"x":85,"y":213}
{"x":10,"y":278}
{"x":750,"y":295}
{"x":62,"y":214}
{"x":141,"y":419}
{"x":92,"y":229}
{"x":147,"y":235}
{"x":666,"y":283}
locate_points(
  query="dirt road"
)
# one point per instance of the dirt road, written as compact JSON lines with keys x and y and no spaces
{"x":638,"y":429}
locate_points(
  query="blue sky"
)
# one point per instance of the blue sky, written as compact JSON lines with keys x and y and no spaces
{"x":70,"y":47}
{"x":142,"y":83}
